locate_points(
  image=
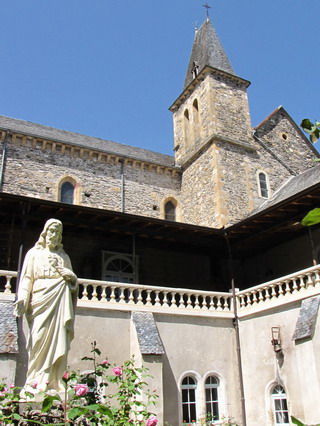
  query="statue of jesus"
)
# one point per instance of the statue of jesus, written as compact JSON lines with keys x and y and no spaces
{"x":47,"y":296}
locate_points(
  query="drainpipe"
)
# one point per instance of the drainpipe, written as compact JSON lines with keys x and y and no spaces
{"x":236,"y":327}
{"x":3,"y":161}
{"x":122,"y":186}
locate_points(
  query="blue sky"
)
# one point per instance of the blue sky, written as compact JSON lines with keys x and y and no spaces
{"x":111,"y":68}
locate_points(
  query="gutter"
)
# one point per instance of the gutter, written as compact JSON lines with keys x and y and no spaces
{"x":237,"y":332}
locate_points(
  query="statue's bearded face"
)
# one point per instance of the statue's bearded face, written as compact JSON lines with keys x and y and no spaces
{"x":53,"y":235}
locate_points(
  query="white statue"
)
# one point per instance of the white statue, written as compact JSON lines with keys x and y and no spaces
{"x":47,"y":296}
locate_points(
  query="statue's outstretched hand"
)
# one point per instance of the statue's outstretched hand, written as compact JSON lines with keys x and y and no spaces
{"x":19,"y":308}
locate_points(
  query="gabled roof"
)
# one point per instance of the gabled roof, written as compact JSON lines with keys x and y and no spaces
{"x":38,"y":130}
{"x":264,"y":126}
{"x":207,"y":50}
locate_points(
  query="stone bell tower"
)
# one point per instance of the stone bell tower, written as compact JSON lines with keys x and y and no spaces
{"x":211,"y":122}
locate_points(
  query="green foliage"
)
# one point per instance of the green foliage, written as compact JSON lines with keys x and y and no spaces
{"x":297,"y":422}
{"x":86,"y":401}
{"x":312,"y":128}
{"x":311,"y":218}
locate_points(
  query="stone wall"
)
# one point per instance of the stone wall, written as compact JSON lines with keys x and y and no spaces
{"x":282,"y":137}
{"x":36,"y":172}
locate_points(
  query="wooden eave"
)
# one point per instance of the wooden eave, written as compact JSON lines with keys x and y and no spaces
{"x":275,"y":224}
{"x":37,"y":211}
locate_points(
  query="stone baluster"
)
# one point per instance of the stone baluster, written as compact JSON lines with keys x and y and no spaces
{"x":139,"y":299}
{"x":104,"y":294}
{"x":189,"y":302}
{"x":316,"y":279}
{"x":148,"y":299}
{"x":85,"y":292}
{"x":94,"y":293}
{"x":219,"y":304}
{"x":254,"y":297}
{"x":157,"y":299}
{"x":212,"y":303}
{"x":280,"y":287}
{"x":273,"y":291}
{"x":287,"y":288}
{"x":173,"y":300}
{"x":165,"y":300}
{"x":294,"y":286}
{"x":181,"y":301}
{"x":225,"y":303}
{"x":131,"y":296}
{"x":309,"y":280}
{"x":266,"y":294}
{"x":112,"y":295}
{"x":7,"y":287}
{"x":121,"y":295}
{"x":196,"y":302}
{"x":301,"y":282}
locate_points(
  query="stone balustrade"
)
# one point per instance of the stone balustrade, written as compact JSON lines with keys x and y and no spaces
{"x":292,"y":287}
{"x":124,"y":296}
{"x":156,"y":298}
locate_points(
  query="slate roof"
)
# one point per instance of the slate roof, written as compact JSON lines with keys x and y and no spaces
{"x":51,"y":133}
{"x":207,"y":50}
{"x":291,"y":187}
{"x":148,"y":335}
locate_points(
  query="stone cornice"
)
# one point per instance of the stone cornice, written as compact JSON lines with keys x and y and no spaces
{"x":207,"y":70}
{"x":215,"y":138}
{"x":94,"y":154}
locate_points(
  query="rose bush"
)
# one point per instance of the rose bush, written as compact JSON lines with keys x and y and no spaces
{"x":86,"y":401}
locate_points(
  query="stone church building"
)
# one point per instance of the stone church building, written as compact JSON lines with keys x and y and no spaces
{"x":197,"y":264}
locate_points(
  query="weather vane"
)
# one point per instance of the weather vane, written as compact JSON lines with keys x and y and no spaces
{"x":207,"y":6}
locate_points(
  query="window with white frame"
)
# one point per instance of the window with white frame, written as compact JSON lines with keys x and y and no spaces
{"x":263,"y":185}
{"x":212,"y":398}
{"x":280,"y":406}
{"x":188,"y":390}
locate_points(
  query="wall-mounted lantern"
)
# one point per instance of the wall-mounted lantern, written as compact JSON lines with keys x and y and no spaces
{"x":276,"y":341}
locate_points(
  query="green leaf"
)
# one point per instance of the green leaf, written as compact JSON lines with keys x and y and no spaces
{"x":87,"y":358}
{"x":311,"y":218}
{"x":296,"y":421}
{"x":97,"y":351}
{"x":16,"y":416}
{"x":306,"y":124}
{"x":75,"y":412}
{"x":48,"y":402}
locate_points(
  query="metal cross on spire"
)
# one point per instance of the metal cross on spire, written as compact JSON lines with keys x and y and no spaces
{"x":207,"y":6}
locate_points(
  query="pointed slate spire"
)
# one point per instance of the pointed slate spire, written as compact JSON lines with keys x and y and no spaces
{"x":207,"y":50}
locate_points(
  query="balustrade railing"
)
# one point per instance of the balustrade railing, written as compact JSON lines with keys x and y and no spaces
{"x":104,"y":293}
{"x":150,"y":296}
{"x":293,"y":286}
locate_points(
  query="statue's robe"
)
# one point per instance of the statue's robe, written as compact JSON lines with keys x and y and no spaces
{"x":50,"y":303}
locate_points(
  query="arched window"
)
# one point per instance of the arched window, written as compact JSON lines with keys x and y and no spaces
{"x":263,"y":185}
{"x":186,"y":126}
{"x":188,"y":389}
{"x":212,"y":398}
{"x":67,"y":192}
{"x":196,"y":119}
{"x":280,"y":406}
{"x":119,"y":268}
{"x":170,"y":211}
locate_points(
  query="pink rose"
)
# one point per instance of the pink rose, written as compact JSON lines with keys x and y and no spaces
{"x":34,"y":385}
{"x":117,"y":371}
{"x":12,"y":386}
{"x":66,"y":376}
{"x":81,"y":389}
{"x":152,"y":421}
{"x":105,"y":362}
